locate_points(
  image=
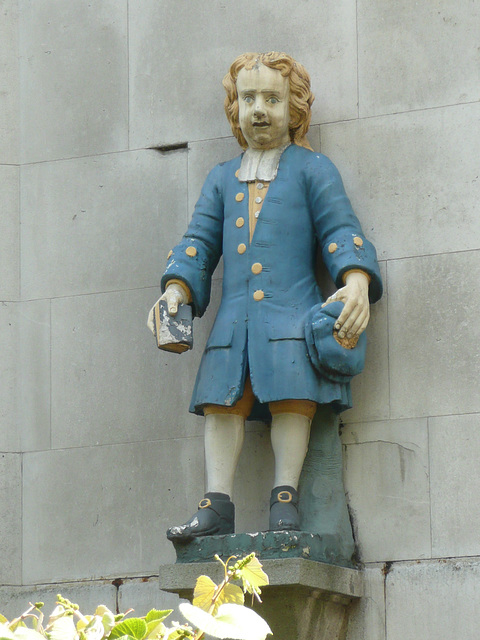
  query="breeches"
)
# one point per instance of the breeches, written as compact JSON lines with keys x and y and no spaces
{"x":243,"y":406}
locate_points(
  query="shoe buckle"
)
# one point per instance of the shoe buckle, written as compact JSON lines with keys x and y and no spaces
{"x":285,"y":496}
{"x":204,"y":503}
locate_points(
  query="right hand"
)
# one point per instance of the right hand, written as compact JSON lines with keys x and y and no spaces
{"x":174,"y":295}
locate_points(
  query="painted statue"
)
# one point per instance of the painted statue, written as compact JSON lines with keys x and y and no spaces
{"x":277,"y":350}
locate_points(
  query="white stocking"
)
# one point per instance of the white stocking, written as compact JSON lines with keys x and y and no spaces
{"x":290,"y":435}
{"x":223,"y":443}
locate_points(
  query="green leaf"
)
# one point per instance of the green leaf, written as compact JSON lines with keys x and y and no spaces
{"x":253,"y":577}
{"x":94,"y":629}
{"x":63,"y":628}
{"x":232,"y":621}
{"x":5,"y":633}
{"x":24,"y":633}
{"x":134,"y":627}
{"x":155,"y":629}
{"x":3,"y":620}
{"x":204,"y":591}
{"x":156,"y":614}
{"x":107,"y":617}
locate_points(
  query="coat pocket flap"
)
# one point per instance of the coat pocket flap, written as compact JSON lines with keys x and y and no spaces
{"x":286,"y":331}
{"x":220,"y":336}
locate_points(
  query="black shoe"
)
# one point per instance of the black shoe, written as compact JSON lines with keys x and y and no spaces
{"x":284,"y":509}
{"x":215,"y":515}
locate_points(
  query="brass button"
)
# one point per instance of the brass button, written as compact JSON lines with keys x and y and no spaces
{"x":258,"y":199}
{"x":332,"y":247}
{"x":191,"y":251}
{"x":169,"y":254}
{"x":358,"y":242}
{"x":240,"y":222}
{"x":259,"y":185}
{"x":237,"y":172}
{"x":241,"y":248}
{"x":239,"y":197}
{"x":258,"y":295}
{"x":256,"y":214}
{"x":256,"y":268}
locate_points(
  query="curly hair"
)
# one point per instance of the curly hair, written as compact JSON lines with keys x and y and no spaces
{"x":301,"y":98}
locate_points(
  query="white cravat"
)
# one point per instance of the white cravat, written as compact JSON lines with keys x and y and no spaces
{"x":258,"y":164}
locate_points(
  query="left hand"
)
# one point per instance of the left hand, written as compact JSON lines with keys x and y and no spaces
{"x":356,"y":313}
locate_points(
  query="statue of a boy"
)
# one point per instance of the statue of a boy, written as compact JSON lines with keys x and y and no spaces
{"x":267,"y":211}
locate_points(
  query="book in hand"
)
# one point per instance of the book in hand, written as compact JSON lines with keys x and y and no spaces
{"x":173,"y":333}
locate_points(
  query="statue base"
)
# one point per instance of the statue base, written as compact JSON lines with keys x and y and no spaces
{"x":266,"y":545}
{"x":305,"y":600}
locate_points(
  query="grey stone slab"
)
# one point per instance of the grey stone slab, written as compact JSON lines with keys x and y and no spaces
{"x":202,"y":157}
{"x":329,"y":580}
{"x":14,"y":600}
{"x":455,"y":485}
{"x":179,"y":97}
{"x":436,"y":600}
{"x":10,"y":236}
{"x":11,"y":520}
{"x":33,"y":374}
{"x":387,"y":485}
{"x":412,"y":178}
{"x":9,"y":83}
{"x":103,"y":511}
{"x":9,"y":346}
{"x":370,"y":389}
{"x":101,"y":223}
{"x":144,"y":594}
{"x":417,"y":55}
{"x":25,"y":375}
{"x":74,"y":97}
{"x":434,"y":359}
{"x":367,"y":615}
{"x":110,"y":383}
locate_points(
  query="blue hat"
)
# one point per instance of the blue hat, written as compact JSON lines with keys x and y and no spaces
{"x":329,"y":357}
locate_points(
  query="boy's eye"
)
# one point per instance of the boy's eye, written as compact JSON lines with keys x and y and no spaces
{"x":273,"y":100}
{"x":248,"y":99}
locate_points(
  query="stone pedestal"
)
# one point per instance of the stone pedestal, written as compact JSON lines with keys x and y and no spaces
{"x":305,"y":600}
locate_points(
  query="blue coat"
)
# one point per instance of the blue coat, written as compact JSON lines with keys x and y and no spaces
{"x":260,"y":324}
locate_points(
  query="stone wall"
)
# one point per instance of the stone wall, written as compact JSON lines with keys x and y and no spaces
{"x":99,"y":455}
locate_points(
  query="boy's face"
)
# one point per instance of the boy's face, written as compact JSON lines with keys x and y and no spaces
{"x":263,"y":100}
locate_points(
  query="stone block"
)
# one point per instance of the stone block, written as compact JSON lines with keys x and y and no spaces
{"x":367,"y":615}
{"x":165,"y":88}
{"x":9,"y":346}
{"x":102,"y":223}
{"x":110,"y":383}
{"x":434,"y":360}
{"x":143,"y":594}
{"x":304,"y":599}
{"x":9,"y":83}
{"x":11,"y":520}
{"x":387,"y":484}
{"x":103,"y":511}
{"x":455,"y":485}
{"x":417,"y":55}
{"x":25,"y":375}
{"x":10,"y":236}
{"x":370,"y":389}
{"x":74,"y":97}
{"x":14,"y":600}
{"x":34,"y":375}
{"x":202,"y":157}
{"x":412,"y":178}
{"x":436,"y":600}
